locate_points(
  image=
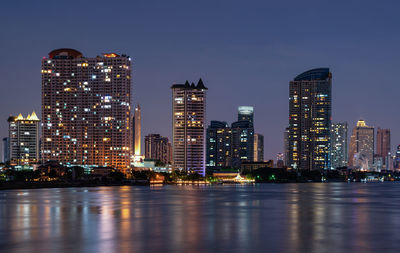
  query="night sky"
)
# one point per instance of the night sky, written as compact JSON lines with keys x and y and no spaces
{"x":245,"y":51}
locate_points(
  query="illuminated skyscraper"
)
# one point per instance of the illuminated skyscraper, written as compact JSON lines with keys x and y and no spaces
{"x":339,"y":145}
{"x":24,"y":139}
{"x":137,"y":130}
{"x":258,"y":147}
{"x":361,"y":152}
{"x":242,"y":143}
{"x":219,"y":145}
{"x":86,"y":109}
{"x":157,"y":147}
{"x":189,"y":115}
{"x":310,"y":120}
{"x":383,"y":144}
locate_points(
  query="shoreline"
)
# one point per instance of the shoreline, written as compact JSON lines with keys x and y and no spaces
{"x":53,"y":184}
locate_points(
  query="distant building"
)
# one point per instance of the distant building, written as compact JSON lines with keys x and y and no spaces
{"x":189,"y":115}
{"x":86,"y":109}
{"x":157,"y":147}
{"x":396,"y":160}
{"x":258,"y":148}
{"x":24,"y":139}
{"x":310,"y":120}
{"x":339,"y":151}
{"x":6,"y":149}
{"x":219,"y":145}
{"x":280,"y":160}
{"x":250,"y":166}
{"x":383,"y":145}
{"x":286,"y":147}
{"x":242,"y":143}
{"x":137,"y":129}
{"x":361,"y":152}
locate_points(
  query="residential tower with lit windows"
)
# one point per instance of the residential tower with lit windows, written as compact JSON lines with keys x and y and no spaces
{"x":23,"y":139}
{"x":339,"y":151}
{"x":188,"y":119}
{"x":86,"y":109}
{"x":310,"y":120}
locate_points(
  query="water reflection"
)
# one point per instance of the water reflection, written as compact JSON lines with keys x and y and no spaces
{"x":274,"y":218}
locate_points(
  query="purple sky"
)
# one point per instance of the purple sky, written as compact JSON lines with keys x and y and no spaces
{"x":245,"y":51}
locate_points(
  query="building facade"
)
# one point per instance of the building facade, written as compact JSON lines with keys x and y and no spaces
{"x":137,"y":136}
{"x":242,"y":143}
{"x":189,"y":115}
{"x":258,"y":147}
{"x":86,"y":109}
{"x":24,"y":139}
{"x":6,"y":149}
{"x":361,"y":151}
{"x":219,"y":145}
{"x":310,"y":120}
{"x":157,"y":147}
{"x":339,"y":151}
{"x":383,"y":145}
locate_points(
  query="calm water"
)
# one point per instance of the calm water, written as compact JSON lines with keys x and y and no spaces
{"x":334,"y":217}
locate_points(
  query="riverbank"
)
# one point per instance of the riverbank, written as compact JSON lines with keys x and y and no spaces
{"x":59,"y":184}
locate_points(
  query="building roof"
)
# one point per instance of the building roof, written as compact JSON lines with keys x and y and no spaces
{"x":314,"y":74}
{"x":65,"y":53}
{"x":187,"y":85}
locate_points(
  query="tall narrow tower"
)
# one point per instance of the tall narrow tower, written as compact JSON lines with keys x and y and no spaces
{"x":310,"y":120}
{"x":138,"y":130}
{"x":188,"y":119}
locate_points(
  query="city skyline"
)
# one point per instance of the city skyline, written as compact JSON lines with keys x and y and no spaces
{"x":266,"y":64}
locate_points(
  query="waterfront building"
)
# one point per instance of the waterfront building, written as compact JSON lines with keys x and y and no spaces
{"x":396,"y":158}
{"x":242,"y":142}
{"x":286,"y":146}
{"x":6,"y":149}
{"x":361,"y":152}
{"x":280,"y":160}
{"x":86,"y":109}
{"x":137,"y":130}
{"x":157,"y":147}
{"x":383,"y":145}
{"x":251,"y":166}
{"x":188,"y":119}
{"x":339,"y":145}
{"x":310,"y":120}
{"x":258,"y":148}
{"x":219,"y":145}
{"x":23,"y":139}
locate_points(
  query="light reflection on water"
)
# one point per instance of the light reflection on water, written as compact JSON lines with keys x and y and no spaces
{"x":333,"y":217}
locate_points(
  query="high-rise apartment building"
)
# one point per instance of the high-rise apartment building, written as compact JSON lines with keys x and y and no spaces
{"x":24,"y":139}
{"x":6,"y":149}
{"x":310,"y":120}
{"x":219,"y":145}
{"x":339,"y":145}
{"x":137,"y":131}
{"x":243,"y":136}
{"x":157,"y":147}
{"x":86,"y":109}
{"x":258,"y":147}
{"x":361,"y":151}
{"x":242,"y":142}
{"x":189,"y":114}
{"x":286,"y":147}
{"x":383,"y":144}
